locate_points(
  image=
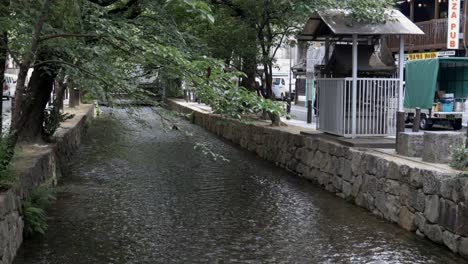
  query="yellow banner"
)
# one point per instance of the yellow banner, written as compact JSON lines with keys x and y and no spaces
{"x":423,"y":55}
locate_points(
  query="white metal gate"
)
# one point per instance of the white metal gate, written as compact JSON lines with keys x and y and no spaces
{"x":376,"y":106}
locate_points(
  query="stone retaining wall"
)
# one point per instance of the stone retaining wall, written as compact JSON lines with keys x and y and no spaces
{"x":34,"y":165}
{"x":427,"y":199}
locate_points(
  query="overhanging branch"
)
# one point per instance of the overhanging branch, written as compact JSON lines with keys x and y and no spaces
{"x":68,"y":36}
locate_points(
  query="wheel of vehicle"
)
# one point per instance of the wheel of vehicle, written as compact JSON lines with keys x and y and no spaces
{"x":424,"y":122}
{"x":457,"y":124}
{"x":283,"y":98}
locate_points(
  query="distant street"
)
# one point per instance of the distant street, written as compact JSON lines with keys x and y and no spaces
{"x":299,"y":112}
{"x":6,"y":110}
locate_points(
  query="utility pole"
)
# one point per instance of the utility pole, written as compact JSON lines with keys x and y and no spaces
{"x":288,"y":109}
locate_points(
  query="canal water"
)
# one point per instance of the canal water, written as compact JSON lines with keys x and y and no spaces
{"x":141,"y":194}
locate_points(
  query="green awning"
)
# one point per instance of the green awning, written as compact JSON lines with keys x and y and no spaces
{"x":422,"y":76}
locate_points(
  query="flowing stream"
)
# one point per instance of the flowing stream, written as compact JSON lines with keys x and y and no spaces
{"x":140,"y":194}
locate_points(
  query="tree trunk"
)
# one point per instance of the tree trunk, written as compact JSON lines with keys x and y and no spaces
{"x":3,"y":56}
{"x":249,"y":67}
{"x":269,"y":80}
{"x":23,"y":96}
{"x":29,"y":125}
{"x":58,"y":102}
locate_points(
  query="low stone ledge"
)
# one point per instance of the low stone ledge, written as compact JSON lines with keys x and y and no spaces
{"x":34,"y":165}
{"x":438,"y":146}
{"x":410,"y":144}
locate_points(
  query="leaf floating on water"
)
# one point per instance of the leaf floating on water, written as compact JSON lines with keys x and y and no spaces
{"x":208,"y":152}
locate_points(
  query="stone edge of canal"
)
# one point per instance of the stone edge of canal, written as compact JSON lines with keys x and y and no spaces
{"x":427,"y":200}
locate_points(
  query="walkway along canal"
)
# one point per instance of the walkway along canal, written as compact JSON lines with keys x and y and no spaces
{"x":142,"y":195}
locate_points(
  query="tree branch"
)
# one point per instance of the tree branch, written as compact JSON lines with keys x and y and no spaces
{"x":68,"y":36}
{"x":73,"y":66}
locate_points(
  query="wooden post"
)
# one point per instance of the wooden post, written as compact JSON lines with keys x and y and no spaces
{"x":436,"y":9}
{"x":400,"y":124}
{"x":71,"y":97}
{"x":416,"y":119}
{"x":412,"y":10}
{"x":327,"y":50}
{"x":77,"y":96}
{"x":354,"y":93}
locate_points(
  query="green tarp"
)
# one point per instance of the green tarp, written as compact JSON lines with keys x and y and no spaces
{"x":422,"y":77}
{"x":421,"y":83}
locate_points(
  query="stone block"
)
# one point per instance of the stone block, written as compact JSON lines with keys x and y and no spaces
{"x":323,"y":178}
{"x":431,"y":181}
{"x":410,"y":144}
{"x":380,"y":203}
{"x":301,"y":169}
{"x":337,"y":182}
{"x":420,"y":220}
{"x":347,"y":189}
{"x":448,"y":214}
{"x":324,"y":146}
{"x":393,"y":208}
{"x":434,"y":233}
{"x":369,"y":184}
{"x":451,"y":240}
{"x":317,"y":161}
{"x":447,"y":186}
{"x":415,"y":178}
{"x":383,"y":166}
{"x":463,"y":247}
{"x":371,"y":164}
{"x":406,"y":219}
{"x":439,"y":145}
{"x":432,"y":208}
{"x":392,"y":187}
{"x":417,"y":200}
{"x":393,"y":171}
{"x":461,"y":222}
{"x":357,"y":185}
{"x":345,"y":169}
{"x":311,"y":143}
{"x":357,"y":162}
{"x":405,"y":194}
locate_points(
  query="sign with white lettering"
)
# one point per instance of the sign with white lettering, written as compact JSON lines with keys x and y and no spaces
{"x":453,"y":32}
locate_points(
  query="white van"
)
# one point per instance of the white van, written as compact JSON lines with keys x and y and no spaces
{"x":9,"y":86}
{"x":279,"y":88}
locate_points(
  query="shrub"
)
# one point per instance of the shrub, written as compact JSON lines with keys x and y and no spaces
{"x":7,"y":177}
{"x":34,"y":210}
{"x":52,"y":121}
{"x":460,"y":158}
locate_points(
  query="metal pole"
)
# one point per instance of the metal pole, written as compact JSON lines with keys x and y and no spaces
{"x":354,"y":98}
{"x":309,"y":102}
{"x":401,"y":67}
{"x":290,"y":90}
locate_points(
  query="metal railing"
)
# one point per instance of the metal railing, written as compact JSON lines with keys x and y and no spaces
{"x":376,"y":106}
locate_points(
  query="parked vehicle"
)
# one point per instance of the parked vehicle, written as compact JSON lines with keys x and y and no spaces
{"x":10,"y":80}
{"x":280,"y":88}
{"x":9,"y":86}
{"x":6,"y":91}
{"x":438,"y":87}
